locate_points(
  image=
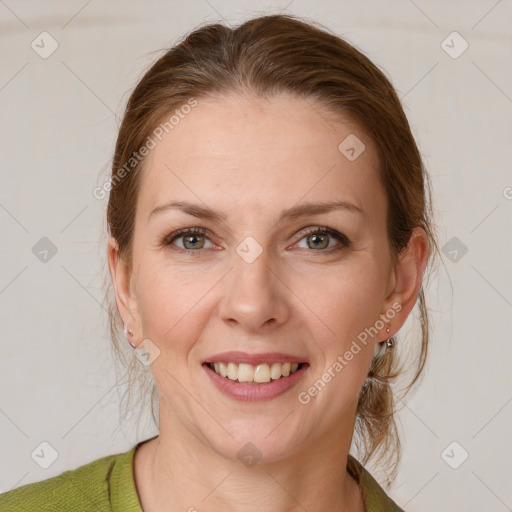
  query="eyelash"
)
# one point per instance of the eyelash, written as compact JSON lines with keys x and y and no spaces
{"x":316,"y":230}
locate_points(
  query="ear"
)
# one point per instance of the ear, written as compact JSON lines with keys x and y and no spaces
{"x":406,"y":281}
{"x":121,"y":274}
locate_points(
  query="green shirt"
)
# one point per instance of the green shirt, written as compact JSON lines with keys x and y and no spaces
{"x":107,"y":485}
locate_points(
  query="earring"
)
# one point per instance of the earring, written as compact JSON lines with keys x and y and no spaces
{"x":129,"y":334}
{"x":390,"y":342}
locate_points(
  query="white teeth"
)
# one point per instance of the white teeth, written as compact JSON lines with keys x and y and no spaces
{"x":232,"y":371}
{"x":248,"y":373}
{"x":275,"y":371}
{"x":262,"y":373}
{"x":245,"y":373}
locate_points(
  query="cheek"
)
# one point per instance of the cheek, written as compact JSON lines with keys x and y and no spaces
{"x":344,"y":301}
{"x":173,"y":305}
{"x":346,"y":304}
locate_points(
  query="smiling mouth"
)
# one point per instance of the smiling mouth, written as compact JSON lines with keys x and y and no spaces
{"x":254,"y":374}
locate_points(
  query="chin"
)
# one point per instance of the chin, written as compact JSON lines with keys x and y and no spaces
{"x":255,"y":442}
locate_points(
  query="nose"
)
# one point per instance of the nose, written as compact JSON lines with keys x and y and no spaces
{"x":254,"y":296}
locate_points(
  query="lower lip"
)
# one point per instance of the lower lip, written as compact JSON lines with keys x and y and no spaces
{"x":260,"y":392}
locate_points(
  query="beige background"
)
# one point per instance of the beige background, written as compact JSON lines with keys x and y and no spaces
{"x":57,"y":131}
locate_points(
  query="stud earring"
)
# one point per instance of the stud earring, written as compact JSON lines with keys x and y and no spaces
{"x":129,"y":334}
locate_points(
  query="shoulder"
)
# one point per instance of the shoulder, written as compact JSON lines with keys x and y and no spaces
{"x":85,"y":489}
{"x":374,"y":497}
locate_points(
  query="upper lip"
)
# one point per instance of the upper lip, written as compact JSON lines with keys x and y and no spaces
{"x":245,"y":358}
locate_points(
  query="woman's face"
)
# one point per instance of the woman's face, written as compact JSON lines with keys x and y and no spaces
{"x":256,"y":283}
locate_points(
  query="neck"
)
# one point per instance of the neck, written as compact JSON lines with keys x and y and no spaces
{"x":180,"y":471}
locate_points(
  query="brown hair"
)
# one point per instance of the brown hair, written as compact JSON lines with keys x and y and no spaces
{"x":266,"y":56}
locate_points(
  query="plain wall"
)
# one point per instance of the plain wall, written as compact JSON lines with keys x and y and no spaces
{"x":57,"y":133}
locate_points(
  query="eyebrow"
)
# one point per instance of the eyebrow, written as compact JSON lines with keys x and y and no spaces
{"x":290,"y":214}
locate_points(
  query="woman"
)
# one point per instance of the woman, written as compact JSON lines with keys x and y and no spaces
{"x":269,"y":230}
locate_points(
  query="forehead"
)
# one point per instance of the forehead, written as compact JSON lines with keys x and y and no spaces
{"x":241,"y":150}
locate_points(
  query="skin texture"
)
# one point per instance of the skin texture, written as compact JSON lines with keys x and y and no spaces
{"x":251,"y":158}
